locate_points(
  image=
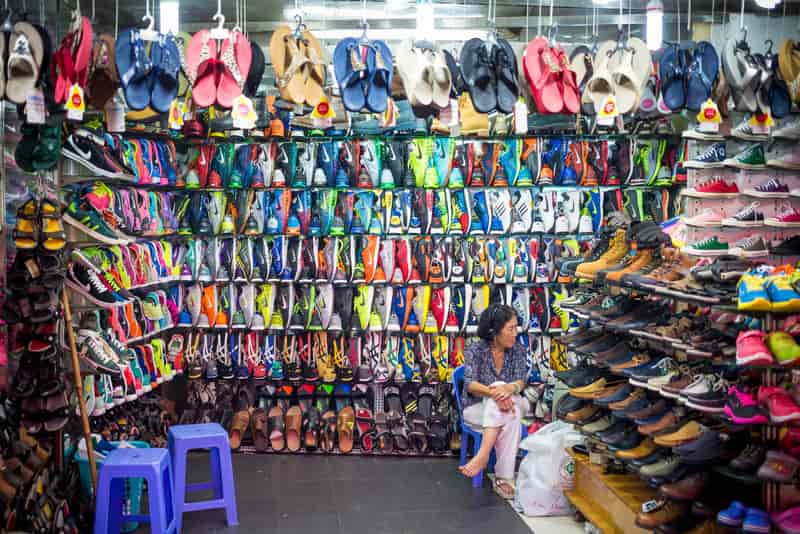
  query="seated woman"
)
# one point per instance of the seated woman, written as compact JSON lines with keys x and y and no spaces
{"x":495,"y":371}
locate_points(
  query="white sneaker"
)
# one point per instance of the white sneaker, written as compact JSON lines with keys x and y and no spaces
{"x":790,"y":130}
{"x":744,"y":131}
{"x":522,"y":211}
{"x":546,"y":210}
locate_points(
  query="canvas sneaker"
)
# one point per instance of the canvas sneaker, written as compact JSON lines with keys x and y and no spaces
{"x":772,"y":188}
{"x":710,"y":246}
{"x":714,"y":156}
{"x":750,"y":247}
{"x":790,"y":130}
{"x":714,"y":188}
{"x":745,"y":132}
{"x":783,"y":157}
{"x":751,"y":157}
{"x":787,"y":217}
{"x":746,"y":217}
{"x":699,"y":135}
{"x":707,"y":218}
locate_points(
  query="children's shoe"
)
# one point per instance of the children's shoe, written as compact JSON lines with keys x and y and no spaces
{"x":752,"y":292}
{"x":756,"y":521}
{"x":783,"y":347}
{"x":751,"y":349}
{"x":733,"y":515}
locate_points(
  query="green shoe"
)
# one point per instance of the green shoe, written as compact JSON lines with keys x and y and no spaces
{"x":711,"y":246}
{"x":419,"y":161}
{"x":783,"y":347}
{"x":751,"y":157}
{"x":363,"y":306}
{"x":26,"y":147}
{"x":48,"y":148}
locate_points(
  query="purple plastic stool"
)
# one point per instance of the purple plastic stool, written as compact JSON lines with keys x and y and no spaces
{"x":151,"y":464}
{"x":182,"y":439}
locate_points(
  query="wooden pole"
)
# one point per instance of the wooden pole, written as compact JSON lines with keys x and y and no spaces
{"x":76,"y":376}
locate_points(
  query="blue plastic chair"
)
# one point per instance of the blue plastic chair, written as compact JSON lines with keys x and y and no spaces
{"x":469,"y":432}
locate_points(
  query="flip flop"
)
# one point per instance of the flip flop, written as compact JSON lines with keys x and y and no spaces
{"x":291,"y":82}
{"x":166,"y":62}
{"x":183,"y":39}
{"x":581,"y":62}
{"x":789,"y":67}
{"x":442,"y":82}
{"x":541,"y":65}
{"x":741,"y":73}
{"x":507,"y":75}
{"x":256,"y":72}
{"x":345,"y":423}
{"x":315,"y":69}
{"x":569,"y":85}
{"x":600,"y":85}
{"x":458,"y":86}
{"x":626,"y":82}
{"x":236,"y":56}
{"x":479,"y":75}
{"x":82,"y":54}
{"x":780,"y":102}
{"x":103,"y":81}
{"x":24,"y":62}
{"x":258,"y":428}
{"x":380,"y":66}
{"x":239,"y":425}
{"x":312,"y":422}
{"x":416,"y":72}
{"x":294,"y":426}
{"x":134,"y":67}
{"x":702,"y":75}
{"x":671,"y":73}
{"x":203,"y":68}
{"x":351,"y":69}
{"x":328,"y":438}
{"x":276,"y":428}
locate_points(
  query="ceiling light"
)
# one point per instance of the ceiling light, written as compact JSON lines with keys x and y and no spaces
{"x":168,"y":16}
{"x":601,"y":2}
{"x":767,"y":4}
{"x":655,"y":24}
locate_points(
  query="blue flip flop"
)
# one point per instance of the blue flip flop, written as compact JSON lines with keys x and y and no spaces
{"x":380,"y":66}
{"x":671,"y":72}
{"x":703,"y":72}
{"x":166,"y":61}
{"x":134,"y":67}
{"x":351,"y":73}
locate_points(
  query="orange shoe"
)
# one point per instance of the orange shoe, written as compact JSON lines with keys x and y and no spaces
{"x":369,"y":255}
{"x":208,"y":307}
{"x":615,"y":253}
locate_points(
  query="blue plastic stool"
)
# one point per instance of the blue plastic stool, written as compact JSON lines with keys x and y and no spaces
{"x":182,"y":439}
{"x":468,"y":432}
{"x":154,"y":466}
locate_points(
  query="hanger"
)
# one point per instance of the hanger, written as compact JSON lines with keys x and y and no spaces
{"x":742,"y":43}
{"x":148,"y":33}
{"x":299,"y":27}
{"x":552,"y":33}
{"x":364,"y":40}
{"x":219,"y":33}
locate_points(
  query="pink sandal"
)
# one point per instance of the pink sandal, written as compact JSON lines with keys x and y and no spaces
{"x":542,"y":69}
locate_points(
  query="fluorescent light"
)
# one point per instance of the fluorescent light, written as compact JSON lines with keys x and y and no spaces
{"x":401,"y":34}
{"x":317,"y":12}
{"x":168,"y":16}
{"x":396,"y":5}
{"x":601,"y":2}
{"x":655,"y":24}
{"x":425,"y":18}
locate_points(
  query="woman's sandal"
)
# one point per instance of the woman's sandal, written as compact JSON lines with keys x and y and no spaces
{"x":275,"y":422}
{"x":504,"y":488}
{"x":312,"y":422}
{"x":258,"y":428}
{"x":294,"y":426}
{"x":328,"y":437}
{"x":239,"y":425}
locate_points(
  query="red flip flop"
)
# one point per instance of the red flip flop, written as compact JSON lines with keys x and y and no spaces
{"x":83,"y":53}
{"x":541,"y":68}
{"x":202,"y":68}
{"x":570,"y":93}
{"x":235,"y":55}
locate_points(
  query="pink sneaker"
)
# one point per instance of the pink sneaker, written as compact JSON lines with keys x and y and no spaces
{"x":788,"y":216}
{"x":788,"y":521}
{"x":708,"y":218}
{"x":751,"y":349}
{"x":741,"y":407}
{"x":779,"y":402}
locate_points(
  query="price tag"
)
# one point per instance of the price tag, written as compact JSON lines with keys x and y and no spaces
{"x":520,"y":117}
{"x":243,"y":113}
{"x":35,"y":112}
{"x":176,"y":114}
{"x":608,"y":111}
{"x":322,"y":115}
{"x":115,"y":116}
{"x":76,"y":104}
{"x":649,"y":506}
{"x":709,"y":118}
{"x":761,"y":123}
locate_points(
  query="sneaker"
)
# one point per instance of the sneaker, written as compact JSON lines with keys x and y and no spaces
{"x":788,"y":247}
{"x":752,"y":292}
{"x":783,"y":157}
{"x":750,"y":247}
{"x":751,"y":349}
{"x":790,"y":130}
{"x":714,"y":188}
{"x":782,"y":345}
{"x":745,"y":131}
{"x":95,"y":351}
{"x":699,"y":135}
{"x":90,"y":150}
{"x":714,"y":156}
{"x":710,"y":246}
{"x":746,"y":217}
{"x":788,"y":217}
{"x":772,"y":188}
{"x":707,"y":218}
{"x":751,"y":157}
{"x":88,"y":283}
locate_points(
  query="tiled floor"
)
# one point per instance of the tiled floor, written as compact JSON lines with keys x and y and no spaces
{"x":352,"y":495}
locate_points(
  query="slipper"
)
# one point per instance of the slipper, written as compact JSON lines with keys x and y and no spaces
{"x":258,"y":428}
{"x":789,"y":67}
{"x":289,"y":64}
{"x":294,"y":425}
{"x":442,"y":82}
{"x":103,"y":80}
{"x":581,"y":61}
{"x":702,"y":75}
{"x":345,"y":423}
{"x":239,"y":425}
{"x":600,"y":85}
{"x":166,"y":62}
{"x":507,"y":74}
{"x":671,"y":72}
{"x":134,"y":67}
{"x":540,"y":66}
{"x":380,"y":66}
{"x":351,"y":70}
{"x":235,"y":57}
{"x":258,"y":64}
{"x":24,"y":61}
{"x":312,"y":423}
{"x":275,"y":428}
{"x":328,"y":437}
{"x":183,"y":39}
{"x":416,"y":72}
{"x":203,"y":68}
{"x":315,"y":69}
{"x":82,"y":53}
{"x":626,"y":83}
{"x":457,"y":80}
{"x":570,"y":93}
{"x":741,"y":73}
{"x":479,"y":75}
{"x":504,"y":488}
{"x":383,"y":436}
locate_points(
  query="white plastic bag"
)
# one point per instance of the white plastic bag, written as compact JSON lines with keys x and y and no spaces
{"x":546,"y":471}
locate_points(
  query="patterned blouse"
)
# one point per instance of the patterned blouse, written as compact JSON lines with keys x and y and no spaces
{"x":479,"y":367}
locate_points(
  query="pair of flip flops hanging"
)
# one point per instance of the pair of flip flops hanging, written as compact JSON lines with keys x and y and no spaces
{"x":298,"y":65}
{"x":687,"y":76}
{"x":426,"y":76}
{"x":622,"y":70}
{"x":147,"y":79}
{"x":364,"y":71}
{"x":217,"y":70}
{"x":70,"y":65}
{"x":761,"y":82}
{"x":552,"y":81}
{"x":489,"y":69}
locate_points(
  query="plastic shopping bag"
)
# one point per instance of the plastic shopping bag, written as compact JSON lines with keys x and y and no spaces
{"x":546,"y":471}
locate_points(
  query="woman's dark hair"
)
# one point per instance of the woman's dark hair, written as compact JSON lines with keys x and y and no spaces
{"x":493,"y":319}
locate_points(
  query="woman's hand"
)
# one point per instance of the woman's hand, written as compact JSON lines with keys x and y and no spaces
{"x":506,"y":405}
{"x":502,"y":392}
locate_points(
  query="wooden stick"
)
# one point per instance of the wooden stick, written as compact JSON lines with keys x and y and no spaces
{"x":76,"y":376}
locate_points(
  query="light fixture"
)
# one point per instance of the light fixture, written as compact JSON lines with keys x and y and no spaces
{"x":768,"y":4}
{"x":168,"y":16}
{"x":425,"y":18}
{"x":655,"y":24}
{"x":396,"y":5}
{"x":601,"y":2}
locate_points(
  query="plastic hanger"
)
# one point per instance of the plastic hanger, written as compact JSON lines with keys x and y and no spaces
{"x":148,"y":34}
{"x":364,"y":40}
{"x":219,"y":33}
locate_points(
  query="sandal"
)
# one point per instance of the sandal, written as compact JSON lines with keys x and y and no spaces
{"x":504,"y":488}
{"x":312,"y":423}
{"x":363,"y":414}
{"x":294,"y":425}
{"x":258,"y":428}
{"x":26,"y":231}
{"x":382,"y":435}
{"x":239,"y":425}
{"x":345,"y":423}
{"x":277,"y":439}
{"x":328,"y":438}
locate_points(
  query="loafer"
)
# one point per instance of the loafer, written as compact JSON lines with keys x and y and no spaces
{"x":705,"y":449}
{"x":688,"y":488}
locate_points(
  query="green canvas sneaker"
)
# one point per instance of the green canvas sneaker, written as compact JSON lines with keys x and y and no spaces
{"x":751,"y":157}
{"x":710,"y":246}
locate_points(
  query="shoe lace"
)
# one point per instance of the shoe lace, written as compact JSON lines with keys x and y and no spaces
{"x":96,"y":283}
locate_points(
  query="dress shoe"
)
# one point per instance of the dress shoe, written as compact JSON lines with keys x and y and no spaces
{"x":686,"y":489}
{"x":645,"y":448}
{"x":666,"y":512}
{"x":690,"y":431}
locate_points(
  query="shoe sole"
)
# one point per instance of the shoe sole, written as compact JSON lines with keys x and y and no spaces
{"x":96,"y":235}
{"x":764,"y":194}
{"x":701,"y":194}
{"x":704,"y":408}
{"x":782,"y":164}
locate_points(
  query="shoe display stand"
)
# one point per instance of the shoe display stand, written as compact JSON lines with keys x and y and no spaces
{"x":252,"y":320}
